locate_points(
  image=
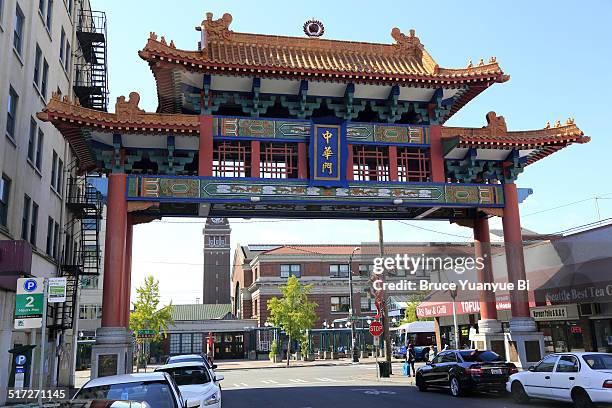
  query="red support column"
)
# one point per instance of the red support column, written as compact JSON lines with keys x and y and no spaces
{"x":519,"y":300}
{"x":482,"y":246}
{"x":114,"y":252}
{"x":127,"y":271}
{"x":206,"y":146}
{"x":302,"y":161}
{"x":349,"y":163}
{"x":393,"y":163}
{"x":255,"y":158}
{"x":436,"y":154}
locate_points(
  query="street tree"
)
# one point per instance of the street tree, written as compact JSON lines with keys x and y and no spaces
{"x":147,"y":314}
{"x":410,"y":313}
{"x":293,"y":312}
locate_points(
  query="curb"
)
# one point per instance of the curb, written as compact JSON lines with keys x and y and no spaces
{"x":341,"y":364}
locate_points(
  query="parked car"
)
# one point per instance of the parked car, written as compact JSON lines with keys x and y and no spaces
{"x":197,"y":383}
{"x":465,"y":370}
{"x":157,"y":389}
{"x":193,"y":358}
{"x":582,"y":378}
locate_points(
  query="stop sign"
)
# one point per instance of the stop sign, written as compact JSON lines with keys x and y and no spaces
{"x":376,"y":328}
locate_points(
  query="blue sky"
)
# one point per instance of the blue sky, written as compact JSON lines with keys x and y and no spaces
{"x":557,"y":54}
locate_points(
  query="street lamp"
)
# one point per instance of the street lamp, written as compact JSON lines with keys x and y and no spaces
{"x":453,"y":294}
{"x":354,"y":347}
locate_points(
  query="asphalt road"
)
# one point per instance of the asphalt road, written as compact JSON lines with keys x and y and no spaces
{"x":343,"y":387}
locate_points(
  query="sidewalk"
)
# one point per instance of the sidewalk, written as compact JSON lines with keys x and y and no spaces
{"x":227,"y":365}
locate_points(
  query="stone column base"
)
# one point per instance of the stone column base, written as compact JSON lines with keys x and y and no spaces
{"x":522,"y":324}
{"x":495,"y":342}
{"x":489,"y":326}
{"x":112,"y":352}
{"x":524,"y":349}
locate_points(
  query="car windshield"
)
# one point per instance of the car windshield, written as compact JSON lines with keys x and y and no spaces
{"x":599,"y":361}
{"x":189,"y":375}
{"x":186,"y":359}
{"x":156,"y":393}
{"x":476,"y":356}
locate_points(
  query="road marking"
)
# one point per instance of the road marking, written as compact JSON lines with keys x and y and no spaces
{"x":373,"y":392}
{"x":269,"y":382}
{"x":325,"y":379}
{"x":297,"y":380}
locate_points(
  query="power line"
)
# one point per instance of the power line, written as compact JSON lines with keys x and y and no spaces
{"x":567,"y":204}
{"x":432,"y":230}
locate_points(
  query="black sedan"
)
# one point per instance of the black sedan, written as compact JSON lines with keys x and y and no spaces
{"x":465,"y":370}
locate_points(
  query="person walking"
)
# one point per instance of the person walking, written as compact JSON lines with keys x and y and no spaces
{"x":411,"y":358}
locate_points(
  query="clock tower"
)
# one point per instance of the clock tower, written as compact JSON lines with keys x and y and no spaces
{"x":216,"y":283}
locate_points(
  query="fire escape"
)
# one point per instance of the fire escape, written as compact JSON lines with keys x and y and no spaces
{"x":91,"y":78}
{"x":83,"y":258}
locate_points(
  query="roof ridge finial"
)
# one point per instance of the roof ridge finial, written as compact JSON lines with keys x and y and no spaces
{"x":470,"y":65}
{"x":407,"y":43}
{"x":215,"y":29}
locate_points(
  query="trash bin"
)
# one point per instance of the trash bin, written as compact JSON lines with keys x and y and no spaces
{"x":384,"y":369}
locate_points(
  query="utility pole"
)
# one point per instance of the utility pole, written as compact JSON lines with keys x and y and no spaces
{"x":385,"y":310}
{"x":354,"y":349}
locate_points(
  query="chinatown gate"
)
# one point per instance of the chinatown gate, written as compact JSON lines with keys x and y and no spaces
{"x":252,"y":125}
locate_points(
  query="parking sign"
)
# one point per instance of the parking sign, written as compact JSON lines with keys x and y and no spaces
{"x":29,"y":301}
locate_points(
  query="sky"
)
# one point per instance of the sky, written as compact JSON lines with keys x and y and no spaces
{"x":557,"y":54}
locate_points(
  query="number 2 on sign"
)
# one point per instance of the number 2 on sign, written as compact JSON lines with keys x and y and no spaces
{"x":29,"y":301}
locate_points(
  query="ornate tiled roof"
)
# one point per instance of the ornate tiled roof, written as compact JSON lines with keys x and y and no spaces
{"x":194,"y":312}
{"x":496,"y":135}
{"x":406,"y":60}
{"x":70,"y":118}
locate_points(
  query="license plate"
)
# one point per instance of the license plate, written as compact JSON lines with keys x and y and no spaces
{"x":496,"y":371}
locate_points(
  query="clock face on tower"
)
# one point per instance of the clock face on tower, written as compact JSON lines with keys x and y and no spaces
{"x":216,"y":220}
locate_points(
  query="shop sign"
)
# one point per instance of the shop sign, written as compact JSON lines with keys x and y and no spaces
{"x":549,"y":313}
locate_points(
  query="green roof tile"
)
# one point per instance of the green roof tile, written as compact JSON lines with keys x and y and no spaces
{"x":201,"y":311}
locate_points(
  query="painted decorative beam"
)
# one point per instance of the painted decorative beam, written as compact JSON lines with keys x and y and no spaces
{"x":348,"y":109}
{"x":210,"y":101}
{"x":392,"y":109}
{"x":255,"y":104}
{"x":210,"y":189}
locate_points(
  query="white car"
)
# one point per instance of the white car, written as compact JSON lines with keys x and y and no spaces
{"x":583,"y":378}
{"x":198,"y":384}
{"x":157,"y":390}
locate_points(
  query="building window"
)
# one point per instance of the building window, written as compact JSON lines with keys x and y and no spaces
{"x":5,"y":190}
{"x":1,"y":10}
{"x":37,"y":62}
{"x":45,"y":76}
{"x":175,"y":343}
{"x":34,"y":224}
{"x":339,"y":271}
{"x":366,"y":303}
{"x":49,"y":14}
{"x":62,"y":45}
{"x":90,"y":312}
{"x":186,"y":343}
{"x":70,"y":2}
{"x":413,"y":164}
{"x":216,"y":241}
{"x":39,"y":148}
{"x":278,"y":160}
{"x":197,"y":343}
{"x":231,"y":159}
{"x":290,"y":270}
{"x":339,"y":303}
{"x":60,"y":174}
{"x":18,"y":23}
{"x":49,"y":248}
{"x":366,"y":269}
{"x":68,"y":57}
{"x":370,"y":163}
{"x":54,"y":170}
{"x":89,"y":282}
{"x":25,"y":219}
{"x":11,"y":115}
{"x":41,"y":7}
{"x":32,"y":140}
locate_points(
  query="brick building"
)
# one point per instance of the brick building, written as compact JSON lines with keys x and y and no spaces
{"x":260,"y":270}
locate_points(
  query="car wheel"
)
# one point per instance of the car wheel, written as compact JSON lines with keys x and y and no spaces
{"x":420,"y":383}
{"x":518,"y":393}
{"x":581,"y":399}
{"x":455,"y":387}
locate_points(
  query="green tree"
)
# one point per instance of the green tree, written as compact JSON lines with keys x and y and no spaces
{"x":147,"y":314}
{"x":293,"y":313}
{"x":410,"y":314}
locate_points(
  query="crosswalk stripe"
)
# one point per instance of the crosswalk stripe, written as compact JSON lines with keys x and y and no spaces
{"x":297,"y":380}
{"x":324,"y":379}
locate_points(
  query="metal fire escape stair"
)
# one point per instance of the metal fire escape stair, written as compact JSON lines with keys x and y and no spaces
{"x":91,"y":79}
{"x":85,"y":203}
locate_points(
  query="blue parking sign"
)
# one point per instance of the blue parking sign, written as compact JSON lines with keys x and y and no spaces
{"x":30,"y":285}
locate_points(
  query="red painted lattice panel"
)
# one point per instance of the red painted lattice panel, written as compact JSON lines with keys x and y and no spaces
{"x":279,"y":160}
{"x":413,"y":164}
{"x":231,"y":159}
{"x":370,"y":163}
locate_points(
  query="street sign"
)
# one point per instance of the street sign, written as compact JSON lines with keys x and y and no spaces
{"x":146,"y":333}
{"x":29,"y":303}
{"x":376,"y":328}
{"x":376,"y":341}
{"x":56,"y":292}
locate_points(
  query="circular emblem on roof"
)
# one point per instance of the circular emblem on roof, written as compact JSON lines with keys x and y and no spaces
{"x":314,"y":28}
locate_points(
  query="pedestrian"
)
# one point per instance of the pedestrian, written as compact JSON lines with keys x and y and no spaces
{"x":445,"y":347}
{"x":411,"y":357}
{"x":210,"y":357}
{"x":432,"y":353}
